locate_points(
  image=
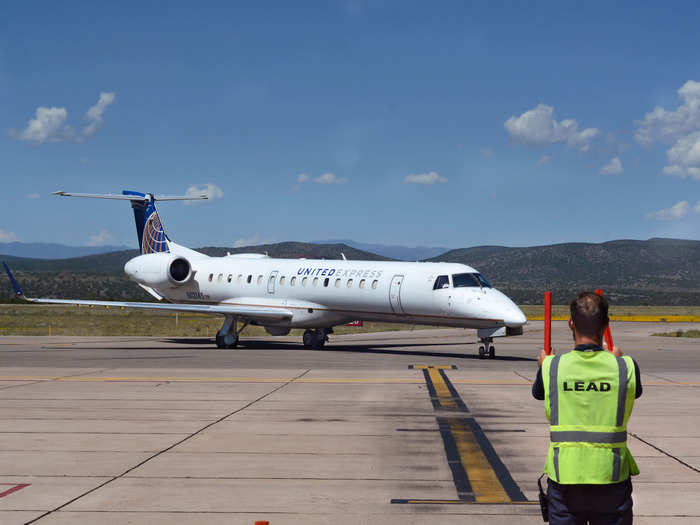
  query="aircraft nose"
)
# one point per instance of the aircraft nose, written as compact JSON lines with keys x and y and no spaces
{"x":513,"y":316}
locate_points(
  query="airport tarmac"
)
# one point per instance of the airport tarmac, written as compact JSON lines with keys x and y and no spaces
{"x":396,"y":427}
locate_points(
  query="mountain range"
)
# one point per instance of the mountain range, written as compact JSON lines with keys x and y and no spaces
{"x":654,"y":272}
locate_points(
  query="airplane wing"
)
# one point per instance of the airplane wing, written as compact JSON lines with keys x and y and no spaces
{"x":245,"y":312}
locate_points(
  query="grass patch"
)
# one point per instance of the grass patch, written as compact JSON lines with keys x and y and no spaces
{"x":30,"y":319}
{"x":560,"y":310}
{"x":680,"y":333}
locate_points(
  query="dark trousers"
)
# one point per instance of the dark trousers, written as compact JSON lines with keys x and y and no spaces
{"x":590,"y":504}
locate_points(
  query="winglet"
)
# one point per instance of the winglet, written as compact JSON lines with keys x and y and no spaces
{"x":15,"y":284}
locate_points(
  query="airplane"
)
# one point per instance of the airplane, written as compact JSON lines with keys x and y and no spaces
{"x":313,"y":294}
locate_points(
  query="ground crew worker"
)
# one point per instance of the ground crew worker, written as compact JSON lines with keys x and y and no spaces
{"x":589,"y":394}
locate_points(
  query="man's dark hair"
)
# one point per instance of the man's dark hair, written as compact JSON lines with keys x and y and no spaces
{"x":589,"y":312}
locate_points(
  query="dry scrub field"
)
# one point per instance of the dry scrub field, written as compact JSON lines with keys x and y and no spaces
{"x":18,"y":319}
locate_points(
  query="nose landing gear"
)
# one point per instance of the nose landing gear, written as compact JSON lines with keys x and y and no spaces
{"x":486,"y":348}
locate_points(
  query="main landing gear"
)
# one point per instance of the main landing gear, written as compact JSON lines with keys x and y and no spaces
{"x":316,"y":338}
{"x":227,"y":336}
{"x":486,"y":348}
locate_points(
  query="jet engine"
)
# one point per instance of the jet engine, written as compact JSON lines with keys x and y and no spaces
{"x":159,"y":270}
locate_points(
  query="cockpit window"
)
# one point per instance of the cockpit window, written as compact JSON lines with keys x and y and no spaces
{"x":443,"y":281}
{"x":463,"y":280}
{"x":484,"y":280}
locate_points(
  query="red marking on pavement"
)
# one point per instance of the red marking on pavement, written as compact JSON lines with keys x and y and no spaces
{"x":12,"y":489}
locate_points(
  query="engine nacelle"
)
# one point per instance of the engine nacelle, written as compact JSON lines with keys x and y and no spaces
{"x":159,"y":270}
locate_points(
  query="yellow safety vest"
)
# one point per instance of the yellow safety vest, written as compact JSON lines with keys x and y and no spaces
{"x":589,"y":396}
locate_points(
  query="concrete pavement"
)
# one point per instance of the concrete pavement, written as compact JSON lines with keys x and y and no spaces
{"x":148,"y":430}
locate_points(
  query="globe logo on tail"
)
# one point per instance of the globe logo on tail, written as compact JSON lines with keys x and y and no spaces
{"x":154,"y":238}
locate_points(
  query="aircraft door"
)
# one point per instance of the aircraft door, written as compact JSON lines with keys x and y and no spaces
{"x":395,"y":294}
{"x":271,"y":282}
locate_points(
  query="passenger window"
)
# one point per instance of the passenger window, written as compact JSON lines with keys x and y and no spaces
{"x":325,"y":282}
{"x":374,"y":284}
{"x":304,"y":281}
{"x":282,"y":279}
{"x":221,"y":276}
{"x":250,"y":279}
{"x":337,"y":283}
{"x":293,"y":281}
{"x":211,"y":277}
{"x":315,"y":281}
{"x":259,"y":279}
{"x":230,"y":278}
{"x":240,"y":278}
{"x":443,"y":281}
{"x":349,"y":283}
{"x":362,"y":283}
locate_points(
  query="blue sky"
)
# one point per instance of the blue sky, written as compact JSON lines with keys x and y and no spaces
{"x":451,"y":124}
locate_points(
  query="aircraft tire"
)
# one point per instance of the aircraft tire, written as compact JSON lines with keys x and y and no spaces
{"x":220,"y":341}
{"x":482,"y":352}
{"x":492,"y":352}
{"x":308,"y":339}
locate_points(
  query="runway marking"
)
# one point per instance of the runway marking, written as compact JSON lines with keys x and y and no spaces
{"x":478,"y":473}
{"x":320,"y":380}
{"x":13,"y":488}
{"x":438,"y":367}
{"x":458,"y":502}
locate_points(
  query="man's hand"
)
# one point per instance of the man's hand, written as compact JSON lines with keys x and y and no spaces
{"x":616,"y":351}
{"x":541,"y":357}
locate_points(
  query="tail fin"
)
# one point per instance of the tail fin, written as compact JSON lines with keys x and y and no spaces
{"x":149,"y":227}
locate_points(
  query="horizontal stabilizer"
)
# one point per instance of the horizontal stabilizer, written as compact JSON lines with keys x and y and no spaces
{"x":130,"y":197}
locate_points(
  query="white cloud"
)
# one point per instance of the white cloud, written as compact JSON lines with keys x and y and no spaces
{"x":684,"y":157}
{"x":212,"y":191}
{"x":425,"y":178}
{"x":49,"y":124}
{"x":34,"y":196}
{"x":696,"y":208}
{"x":486,"y":152}
{"x":675,"y":212}
{"x":614,"y":167}
{"x":100,"y":238}
{"x":544,"y":159}
{"x":680,"y":126}
{"x":660,"y":124}
{"x":325,"y":178}
{"x":7,"y":236}
{"x":94,"y":114}
{"x":330,"y":178}
{"x":537,"y":127}
{"x":253,"y":240}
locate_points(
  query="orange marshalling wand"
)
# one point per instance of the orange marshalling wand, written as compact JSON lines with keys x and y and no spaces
{"x":608,"y":333}
{"x":548,"y":323}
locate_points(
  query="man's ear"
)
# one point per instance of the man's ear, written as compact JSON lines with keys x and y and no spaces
{"x":571,"y":324}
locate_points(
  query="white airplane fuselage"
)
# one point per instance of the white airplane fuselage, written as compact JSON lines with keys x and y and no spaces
{"x":324,"y":293}
{"x":315,"y":294}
